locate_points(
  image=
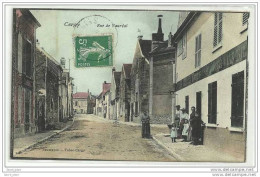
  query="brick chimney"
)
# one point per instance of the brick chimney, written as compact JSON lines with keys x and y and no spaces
{"x":159,"y":35}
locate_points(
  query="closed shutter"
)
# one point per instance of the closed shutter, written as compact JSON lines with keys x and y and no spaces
{"x":218,"y":31}
{"x":245,"y":18}
{"x":212,"y":103}
{"x":237,"y":108}
{"x":198,"y":51}
{"x":187,"y":103}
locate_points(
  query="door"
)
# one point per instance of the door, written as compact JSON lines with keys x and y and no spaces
{"x":27,"y":112}
{"x":41,"y":115}
{"x":198,"y":103}
{"x":187,"y":104}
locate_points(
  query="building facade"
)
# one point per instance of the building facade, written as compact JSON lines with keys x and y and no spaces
{"x":48,"y":74}
{"x":115,"y":88}
{"x":125,"y":93}
{"x":162,"y":64}
{"x":80,"y":102}
{"x":23,"y":73}
{"x":211,"y":74}
{"x":140,"y":80}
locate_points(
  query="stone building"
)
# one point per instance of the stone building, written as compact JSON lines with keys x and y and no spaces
{"x":48,"y":73}
{"x":103,"y":101}
{"x":115,"y":88}
{"x":211,"y":74}
{"x":162,"y":66}
{"x":80,"y":102}
{"x":125,"y":93}
{"x":23,"y":73}
{"x":140,"y":79}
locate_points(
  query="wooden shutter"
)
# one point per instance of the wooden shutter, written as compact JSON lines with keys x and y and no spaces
{"x":245,"y":18}
{"x":212,"y":103}
{"x":187,"y":103}
{"x":215,"y":40}
{"x":237,"y":102}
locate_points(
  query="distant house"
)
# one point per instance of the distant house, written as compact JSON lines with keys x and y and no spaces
{"x":115,"y":86}
{"x":83,"y":103}
{"x":103,"y":101}
{"x":125,"y":93}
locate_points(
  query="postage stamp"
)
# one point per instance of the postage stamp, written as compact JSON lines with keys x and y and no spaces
{"x":94,"y":51}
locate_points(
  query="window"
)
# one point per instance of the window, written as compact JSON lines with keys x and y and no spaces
{"x":245,"y":18}
{"x":182,"y":46}
{"x":212,"y":103}
{"x":217,"y":29}
{"x":27,"y":58}
{"x":198,"y":50}
{"x":237,"y":107}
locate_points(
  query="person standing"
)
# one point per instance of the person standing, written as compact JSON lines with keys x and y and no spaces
{"x":192,"y":117}
{"x":185,"y":130}
{"x":196,"y":129}
{"x":174,"y":132}
{"x":183,"y":117}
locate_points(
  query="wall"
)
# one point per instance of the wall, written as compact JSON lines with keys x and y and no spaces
{"x":204,"y":25}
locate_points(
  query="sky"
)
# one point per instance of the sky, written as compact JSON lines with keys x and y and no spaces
{"x":56,"y":37}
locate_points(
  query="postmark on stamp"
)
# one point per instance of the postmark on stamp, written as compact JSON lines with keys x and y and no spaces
{"x":94,"y":51}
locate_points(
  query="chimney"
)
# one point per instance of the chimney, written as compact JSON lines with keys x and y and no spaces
{"x":159,"y":35}
{"x":170,"y":39}
{"x":62,"y":62}
{"x":113,"y":70}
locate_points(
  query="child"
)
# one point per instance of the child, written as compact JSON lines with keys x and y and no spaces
{"x":174,"y":132}
{"x":185,"y":130}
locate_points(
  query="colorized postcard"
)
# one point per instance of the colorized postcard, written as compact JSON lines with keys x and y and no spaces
{"x":130,"y":85}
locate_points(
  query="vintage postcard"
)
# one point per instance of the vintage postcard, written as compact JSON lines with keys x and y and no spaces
{"x":130,"y":84}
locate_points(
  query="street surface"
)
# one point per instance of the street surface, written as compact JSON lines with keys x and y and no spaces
{"x":93,"y":138}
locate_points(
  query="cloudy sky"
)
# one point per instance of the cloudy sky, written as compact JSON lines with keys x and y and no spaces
{"x":57,"y":38}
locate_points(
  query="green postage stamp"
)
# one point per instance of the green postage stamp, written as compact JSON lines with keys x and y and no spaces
{"x":94,"y":51}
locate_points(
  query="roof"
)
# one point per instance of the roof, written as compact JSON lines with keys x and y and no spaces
{"x":185,"y":25}
{"x":26,"y":12}
{"x":80,"y":95}
{"x":127,"y":69}
{"x":106,"y":88}
{"x":117,"y":76}
{"x":163,"y":48}
{"x":146,"y":47}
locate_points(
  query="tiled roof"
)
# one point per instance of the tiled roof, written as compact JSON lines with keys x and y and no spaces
{"x":127,"y":68}
{"x":146,"y":46}
{"x":83,"y":95}
{"x":117,"y":76}
{"x":106,"y":88}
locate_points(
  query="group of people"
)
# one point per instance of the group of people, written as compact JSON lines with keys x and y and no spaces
{"x":189,"y":128}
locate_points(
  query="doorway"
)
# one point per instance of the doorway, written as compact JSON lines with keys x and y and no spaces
{"x":198,"y":102}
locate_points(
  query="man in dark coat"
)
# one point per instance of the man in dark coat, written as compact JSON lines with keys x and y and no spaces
{"x":192,"y":117}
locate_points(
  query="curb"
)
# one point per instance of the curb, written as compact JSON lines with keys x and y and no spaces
{"x":44,"y":139}
{"x":171,"y":151}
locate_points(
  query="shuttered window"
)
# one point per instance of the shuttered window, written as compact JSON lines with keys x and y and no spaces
{"x":237,"y":108}
{"x":245,"y":18}
{"x":184,"y":46}
{"x":212,"y":103}
{"x":27,"y":58}
{"x":217,"y":28}
{"x":197,"y":51}
{"x":179,"y":48}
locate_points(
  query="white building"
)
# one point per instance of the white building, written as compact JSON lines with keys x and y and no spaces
{"x":211,"y":74}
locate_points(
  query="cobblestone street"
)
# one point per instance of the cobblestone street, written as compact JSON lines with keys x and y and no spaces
{"x":97,"y":139}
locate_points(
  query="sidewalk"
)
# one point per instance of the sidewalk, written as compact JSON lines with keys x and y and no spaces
{"x":27,"y":142}
{"x":186,"y":152}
